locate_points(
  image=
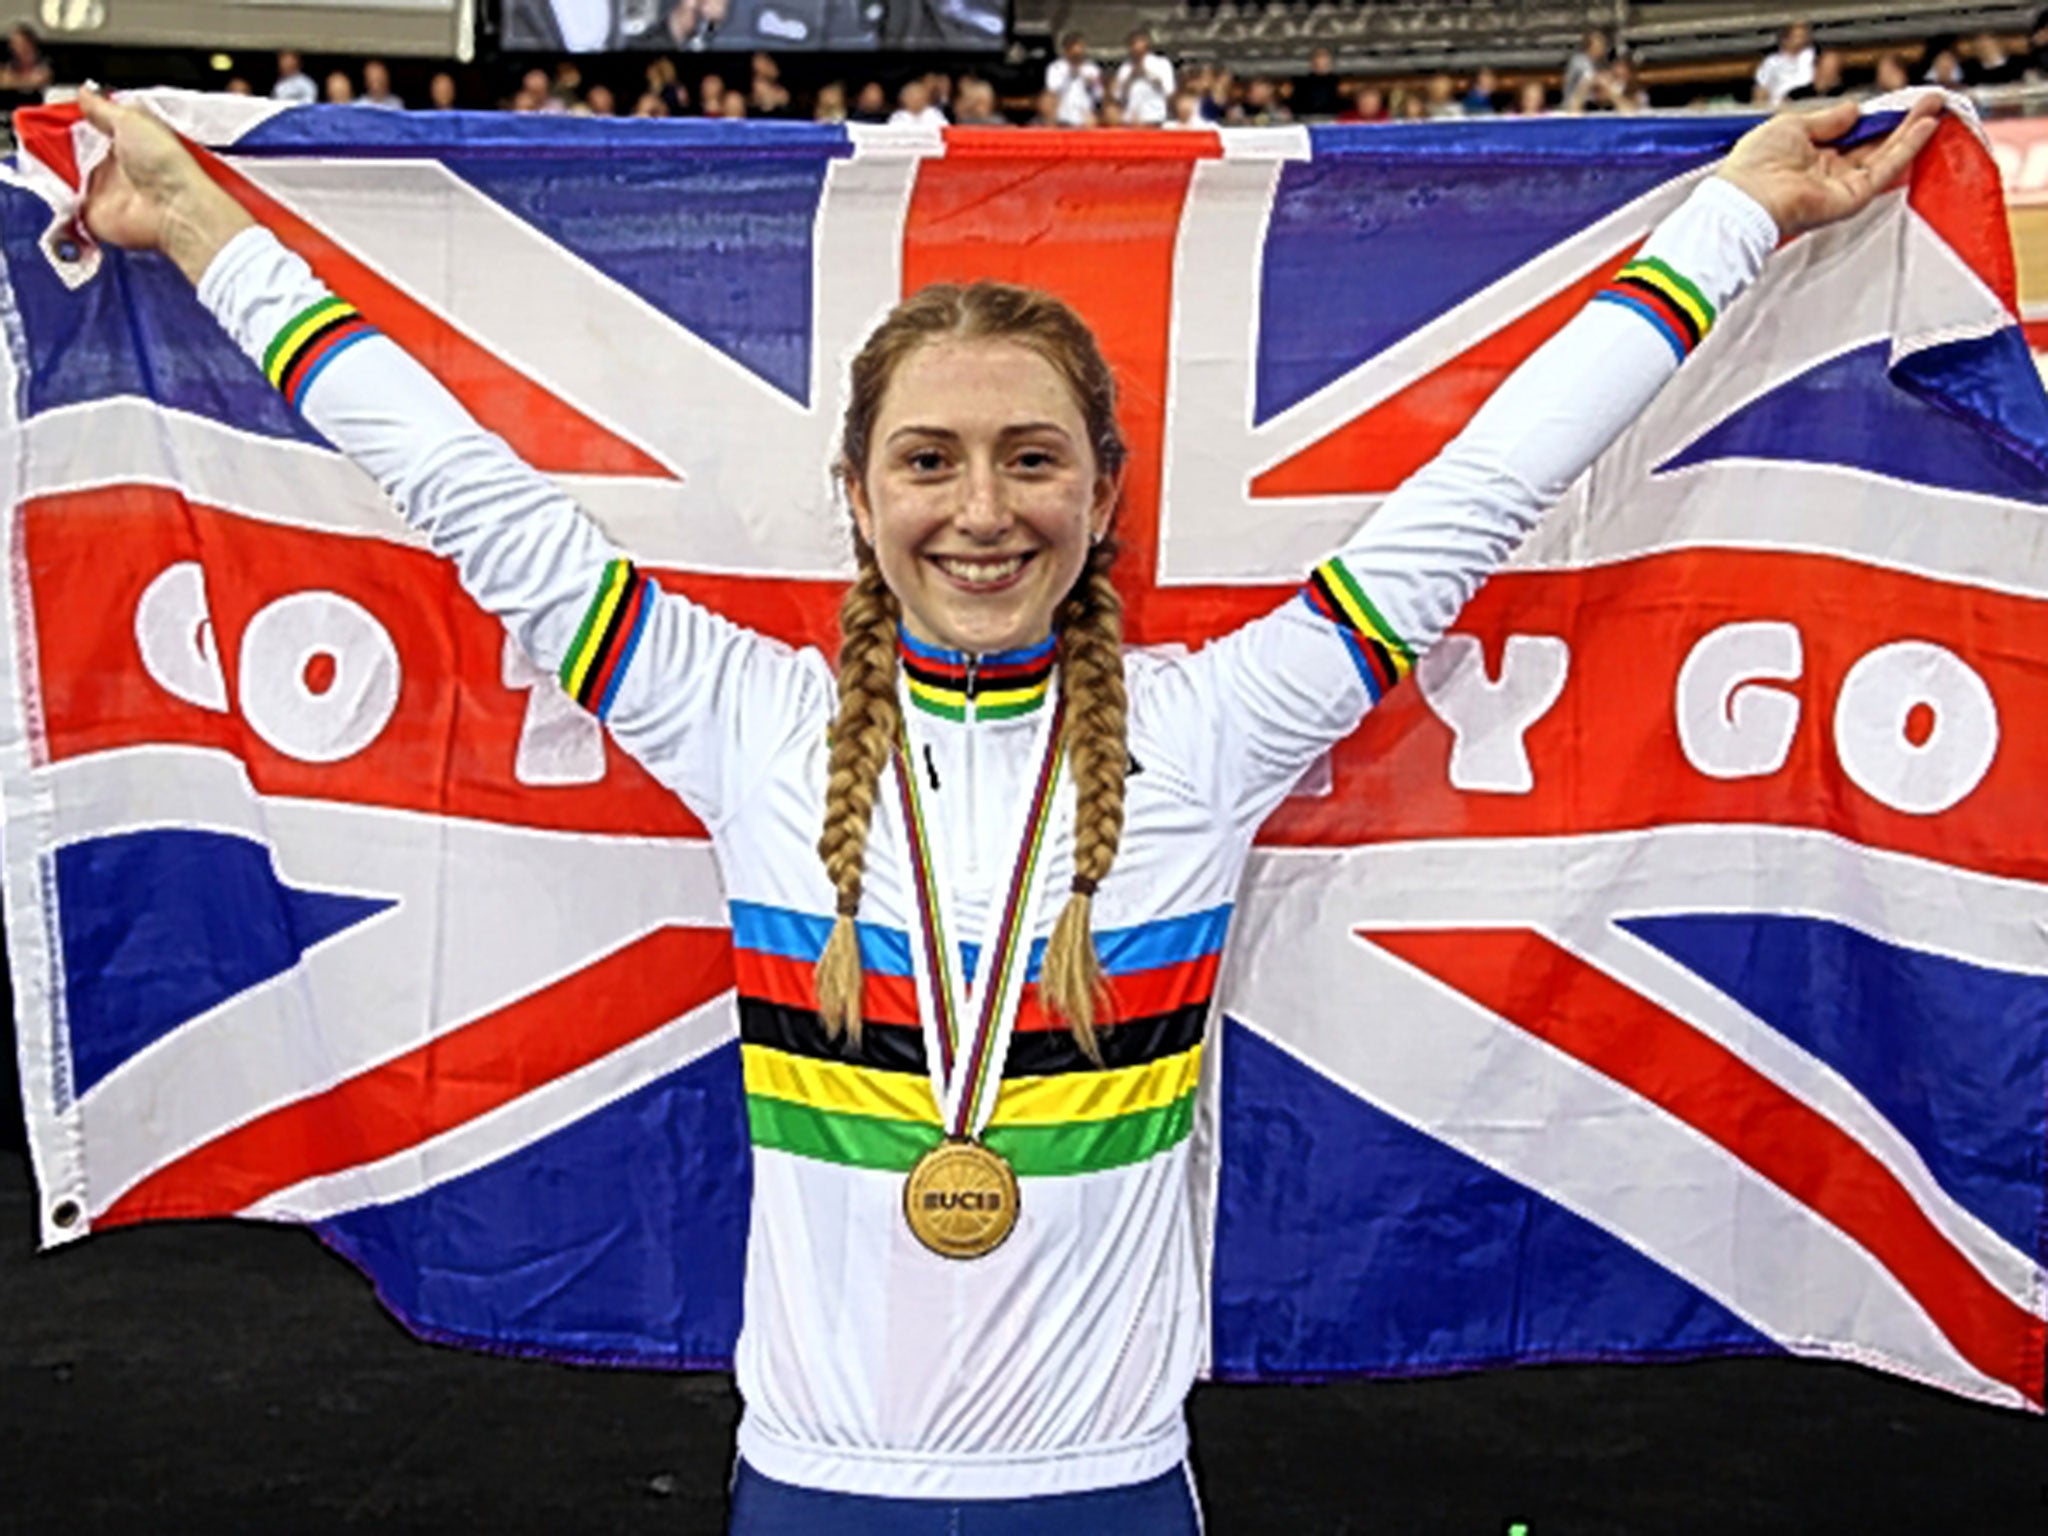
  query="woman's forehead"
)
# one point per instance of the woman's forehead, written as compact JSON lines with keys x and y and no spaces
{"x":977,"y":379}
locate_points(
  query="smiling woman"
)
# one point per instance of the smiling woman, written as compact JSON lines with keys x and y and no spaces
{"x":976,"y":942}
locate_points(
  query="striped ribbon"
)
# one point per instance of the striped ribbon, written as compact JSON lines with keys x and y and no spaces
{"x":965,"y":1061}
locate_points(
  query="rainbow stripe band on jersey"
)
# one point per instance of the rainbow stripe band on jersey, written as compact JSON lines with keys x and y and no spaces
{"x":309,"y":341}
{"x":609,"y":634}
{"x":1670,"y":302}
{"x":1382,"y":657}
{"x":1000,"y":686}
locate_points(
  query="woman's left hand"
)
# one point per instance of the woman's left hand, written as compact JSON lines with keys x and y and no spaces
{"x":1789,"y":165}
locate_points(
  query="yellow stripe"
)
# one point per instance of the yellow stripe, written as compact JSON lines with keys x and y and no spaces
{"x":300,"y":332}
{"x":1671,"y":291}
{"x":1067,"y":1097}
{"x":838,"y":1085}
{"x":984,"y":699}
{"x":1365,"y":624}
{"x":606,"y":603}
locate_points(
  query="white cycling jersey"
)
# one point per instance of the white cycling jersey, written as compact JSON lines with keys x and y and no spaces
{"x":1060,"y":1361}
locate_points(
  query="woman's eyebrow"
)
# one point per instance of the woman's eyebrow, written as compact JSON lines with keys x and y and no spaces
{"x":947,"y":434}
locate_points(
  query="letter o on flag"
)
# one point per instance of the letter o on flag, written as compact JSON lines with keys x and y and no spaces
{"x":281,"y":704}
{"x":1879,"y":695}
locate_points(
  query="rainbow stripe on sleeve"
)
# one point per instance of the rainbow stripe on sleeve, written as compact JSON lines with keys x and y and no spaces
{"x":605,"y":642}
{"x":309,"y":341}
{"x":1382,"y":657}
{"x":1670,"y":302}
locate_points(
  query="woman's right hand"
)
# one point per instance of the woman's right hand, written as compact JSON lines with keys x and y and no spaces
{"x":150,"y":194}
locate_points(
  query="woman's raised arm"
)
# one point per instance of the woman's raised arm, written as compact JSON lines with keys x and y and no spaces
{"x":701,"y":702}
{"x":1293,"y":683}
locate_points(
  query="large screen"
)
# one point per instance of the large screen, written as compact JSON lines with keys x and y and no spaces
{"x":597,"y":26}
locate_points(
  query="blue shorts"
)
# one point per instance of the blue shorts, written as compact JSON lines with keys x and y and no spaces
{"x":1165,"y":1506}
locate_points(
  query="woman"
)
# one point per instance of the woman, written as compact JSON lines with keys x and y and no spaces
{"x":979,"y":877}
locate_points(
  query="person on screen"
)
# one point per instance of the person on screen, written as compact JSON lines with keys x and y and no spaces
{"x":973,"y":1296}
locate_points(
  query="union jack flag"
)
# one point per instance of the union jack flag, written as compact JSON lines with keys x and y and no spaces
{"x":1662,"y":973}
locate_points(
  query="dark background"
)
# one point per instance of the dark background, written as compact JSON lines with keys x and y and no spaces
{"x":219,"y":1377}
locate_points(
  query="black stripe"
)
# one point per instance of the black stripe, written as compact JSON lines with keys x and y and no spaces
{"x":298,"y":354}
{"x":610,"y":637}
{"x":799,"y":1031}
{"x":1664,"y":298}
{"x":956,"y":681}
{"x":1049,"y":1052}
{"x":1338,"y":613}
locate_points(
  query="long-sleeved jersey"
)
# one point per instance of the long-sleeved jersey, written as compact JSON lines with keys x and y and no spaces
{"x":1060,"y":1361}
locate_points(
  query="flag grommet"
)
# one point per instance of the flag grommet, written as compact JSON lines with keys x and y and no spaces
{"x":65,"y":1213}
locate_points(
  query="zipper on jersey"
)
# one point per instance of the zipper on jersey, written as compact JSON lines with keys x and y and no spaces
{"x":973,"y":819}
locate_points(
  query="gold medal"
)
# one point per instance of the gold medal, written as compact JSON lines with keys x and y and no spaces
{"x":960,"y":1199}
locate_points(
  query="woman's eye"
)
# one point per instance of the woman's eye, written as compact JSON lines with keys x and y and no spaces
{"x":927,"y":461}
{"x":1035,"y":458}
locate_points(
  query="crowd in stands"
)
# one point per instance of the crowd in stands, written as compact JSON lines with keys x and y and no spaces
{"x":1141,"y":87}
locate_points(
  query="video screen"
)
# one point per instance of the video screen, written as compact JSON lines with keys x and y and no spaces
{"x":741,"y":26}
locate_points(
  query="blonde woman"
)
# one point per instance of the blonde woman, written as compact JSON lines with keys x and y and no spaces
{"x":980,"y":871}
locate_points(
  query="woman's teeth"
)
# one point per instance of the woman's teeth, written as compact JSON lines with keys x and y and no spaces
{"x":981,"y":573}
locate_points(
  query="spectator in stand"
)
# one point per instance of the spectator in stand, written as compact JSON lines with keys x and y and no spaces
{"x":1185,"y":110}
{"x":732,"y":106}
{"x":1442,"y":95}
{"x":237,"y":86}
{"x":1594,"y":52}
{"x":1112,"y":114}
{"x":1220,"y":100}
{"x":294,"y":86}
{"x":871,"y":106}
{"x":567,"y":87}
{"x":1891,"y":74}
{"x":1263,"y":107}
{"x":1076,"y":81}
{"x":1316,"y":93}
{"x":914,"y":108}
{"x":1143,"y":84}
{"x":1368,"y":104}
{"x":339,"y":90}
{"x":25,"y":71}
{"x":1985,"y":62}
{"x":662,"y":81}
{"x":1787,"y":68}
{"x":533,"y":92}
{"x":1532,"y":99}
{"x":1046,"y":112}
{"x":1945,"y":69}
{"x":377,"y":90}
{"x":1482,"y":96}
{"x":939,"y":85}
{"x":975,"y":105}
{"x":711,"y":95}
{"x":598,"y":101}
{"x":441,"y":93}
{"x":1410,"y":106}
{"x":830,"y":107}
{"x":1827,"y":82}
{"x":769,"y":97}
{"x":650,"y":104}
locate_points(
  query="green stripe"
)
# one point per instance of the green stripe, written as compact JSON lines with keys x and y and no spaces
{"x":291,"y":325}
{"x":857,"y":1141}
{"x":614,"y":571}
{"x":1387,"y":635}
{"x":1656,"y":264}
{"x":1088,"y":1146}
{"x":943,"y":711}
{"x":1009,"y":711}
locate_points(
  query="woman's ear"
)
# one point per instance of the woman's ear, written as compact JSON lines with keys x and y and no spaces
{"x":1109,"y":490}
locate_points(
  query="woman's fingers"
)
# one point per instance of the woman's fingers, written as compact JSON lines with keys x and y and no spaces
{"x":99,"y":111}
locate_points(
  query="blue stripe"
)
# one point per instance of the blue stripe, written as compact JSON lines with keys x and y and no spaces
{"x":632,"y":641}
{"x":1021,"y":656}
{"x":1352,"y":645}
{"x":321,"y":367}
{"x":1628,"y":301}
{"x":801,"y":936}
{"x":1146,"y":947}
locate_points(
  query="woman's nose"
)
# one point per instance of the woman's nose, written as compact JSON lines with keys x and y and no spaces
{"x":982,"y":511}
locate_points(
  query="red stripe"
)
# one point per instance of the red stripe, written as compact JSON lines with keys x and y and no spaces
{"x":301,"y":365}
{"x":448,"y":1082}
{"x":1534,"y":983}
{"x":594,"y":685}
{"x":791,"y":984}
{"x":1136,"y":995}
{"x":1646,"y":293}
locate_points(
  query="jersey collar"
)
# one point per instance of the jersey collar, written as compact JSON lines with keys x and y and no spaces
{"x":1003,"y":685}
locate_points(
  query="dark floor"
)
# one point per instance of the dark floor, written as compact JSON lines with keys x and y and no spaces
{"x":222,"y":1378}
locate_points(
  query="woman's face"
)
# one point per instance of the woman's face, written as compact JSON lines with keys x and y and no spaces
{"x":982,"y":494}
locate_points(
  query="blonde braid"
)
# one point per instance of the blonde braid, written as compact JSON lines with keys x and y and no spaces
{"x":1091,"y":625}
{"x":862,"y":738}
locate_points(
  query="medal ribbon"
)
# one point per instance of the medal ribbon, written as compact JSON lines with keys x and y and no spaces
{"x":964,"y":1061}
